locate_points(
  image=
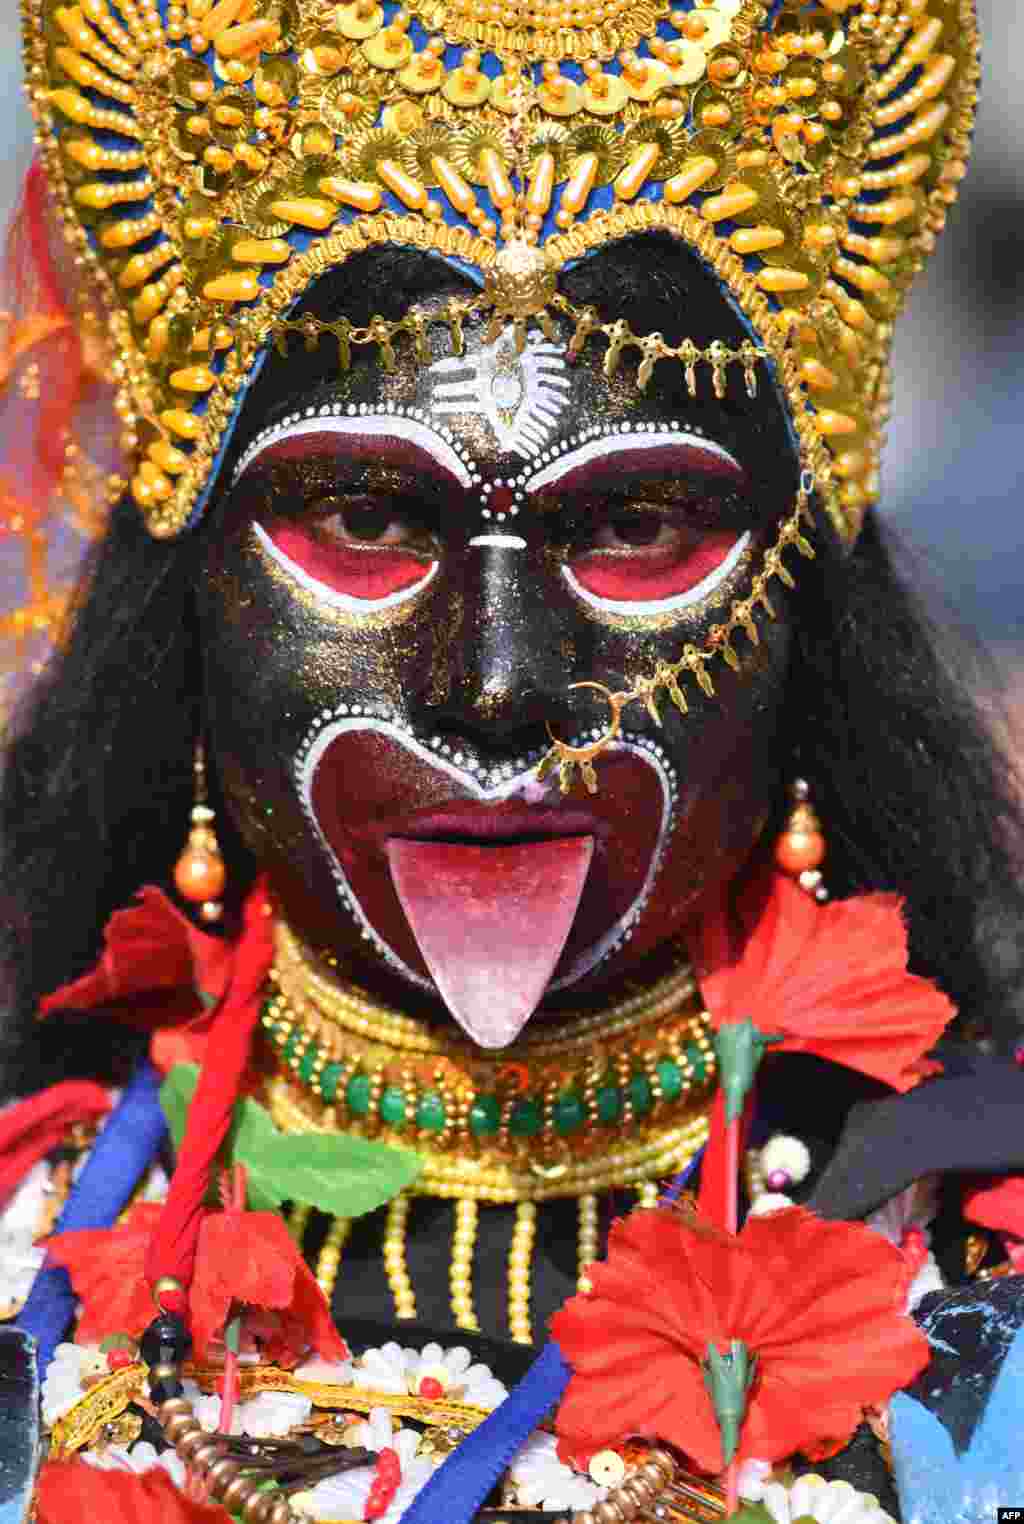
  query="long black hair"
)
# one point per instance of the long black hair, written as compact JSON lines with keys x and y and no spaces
{"x":916,"y":794}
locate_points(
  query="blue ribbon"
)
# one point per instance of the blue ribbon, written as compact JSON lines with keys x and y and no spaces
{"x":461,"y":1483}
{"x":122,"y":1153}
{"x":677,"y":1184}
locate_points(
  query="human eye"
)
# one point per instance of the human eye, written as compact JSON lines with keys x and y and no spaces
{"x":363,"y":544}
{"x":369,"y":522}
{"x":648,"y":521}
{"x":651,"y":557}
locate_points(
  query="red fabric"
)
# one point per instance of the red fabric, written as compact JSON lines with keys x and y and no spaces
{"x":250,"y":1257}
{"x":832,"y":979}
{"x":819,"y":1304}
{"x":153,"y":967}
{"x":173,"y":1249}
{"x":106,"y":1270}
{"x":70,"y":1491}
{"x":30,"y":1129}
{"x":35,"y":427}
{"x":997,"y":1203}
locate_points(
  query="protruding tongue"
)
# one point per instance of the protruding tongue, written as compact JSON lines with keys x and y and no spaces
{"x":491,"y":923}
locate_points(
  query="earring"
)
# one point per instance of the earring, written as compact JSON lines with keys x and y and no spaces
{"x":199,"y":873}
{"x":800,"y":849}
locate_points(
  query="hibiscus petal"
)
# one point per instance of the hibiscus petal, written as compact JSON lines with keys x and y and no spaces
{"x":251,"y":1258}
{"x":309,"y":1308}
{"x":149,"y":949}
{"x":106,"y":1266}
{"x":242,"y":1257}
{"x":818,"y":1303}
{"x":70,"y":1491}
{"x":832,"y":978}
{"x":997,"y":1203}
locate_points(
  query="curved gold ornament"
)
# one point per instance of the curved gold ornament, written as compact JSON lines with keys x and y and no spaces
{"x":567,"y":758}
{"x":694,"y":661}
{"x":809,"y":153}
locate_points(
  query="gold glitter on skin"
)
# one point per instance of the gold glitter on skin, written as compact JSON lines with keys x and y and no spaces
{"x":485,"y":657}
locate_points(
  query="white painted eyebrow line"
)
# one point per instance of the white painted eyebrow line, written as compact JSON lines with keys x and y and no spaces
{"x":620,"y":444}
{"x":510,"y":541}
{"x":391,"y":425}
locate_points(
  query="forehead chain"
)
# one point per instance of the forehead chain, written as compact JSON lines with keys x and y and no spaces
{"x":211,"y":159}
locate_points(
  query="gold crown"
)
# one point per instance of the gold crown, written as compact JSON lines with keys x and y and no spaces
{"x":212,"y":158}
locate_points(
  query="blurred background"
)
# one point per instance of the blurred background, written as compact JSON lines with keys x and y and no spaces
{"x":952,"y":471}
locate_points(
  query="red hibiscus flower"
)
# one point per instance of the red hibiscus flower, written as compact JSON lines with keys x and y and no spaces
{"x":106,"y":1270}
{"x":998,"y":1203}
{"x":251,"y":1258}
{"x":244,"y":1257}
{"x":817,"y":1304}
{"x":826,"y":979}
{"x":156,"y":970}
{"x":70,"y":1491}
{"x":831,"y":980}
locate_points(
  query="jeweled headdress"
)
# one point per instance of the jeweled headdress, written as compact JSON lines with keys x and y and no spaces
{"x":211,"y":158}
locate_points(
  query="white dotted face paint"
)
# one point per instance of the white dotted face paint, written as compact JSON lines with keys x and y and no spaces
{"x":407,"y":425}
{"x":515,"y":779}
{"x":627,"y":443}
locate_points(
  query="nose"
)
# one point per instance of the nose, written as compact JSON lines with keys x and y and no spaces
{"x":509,"y":662}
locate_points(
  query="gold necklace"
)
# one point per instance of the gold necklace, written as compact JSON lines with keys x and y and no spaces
{"x":617,"y":1096}
{"x":607,"y":1098}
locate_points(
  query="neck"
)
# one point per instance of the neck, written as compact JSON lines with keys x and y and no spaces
{"x":617,"y":1094}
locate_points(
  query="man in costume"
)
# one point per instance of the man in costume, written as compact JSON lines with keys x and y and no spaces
{"x":493,"y":562}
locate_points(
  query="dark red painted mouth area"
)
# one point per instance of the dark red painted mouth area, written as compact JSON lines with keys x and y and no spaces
{"x":369,"y":788}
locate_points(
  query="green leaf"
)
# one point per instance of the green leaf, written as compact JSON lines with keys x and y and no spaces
{"x":342,"y":1175}
{"x":752,"y":1513}
{"x":346,"y":1176}
{"x":176,"y":1094}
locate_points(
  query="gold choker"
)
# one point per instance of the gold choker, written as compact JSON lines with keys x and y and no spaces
{"x":616,"y":1096}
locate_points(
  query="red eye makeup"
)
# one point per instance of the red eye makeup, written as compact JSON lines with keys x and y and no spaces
{"x":646,"y":559}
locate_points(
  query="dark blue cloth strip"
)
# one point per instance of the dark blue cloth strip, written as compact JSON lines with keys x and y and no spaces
{"x":679,"y":1182}
{"x":460,"y":1485}
{"x":124,"y":1150}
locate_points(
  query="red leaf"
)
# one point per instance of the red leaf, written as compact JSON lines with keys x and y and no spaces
{"x":831,"y":978}
{"x":819,"y":1304}
{"x":154,"y":963}
{"x":997,"y":1203}
{"x":70,"y":1491}
{"x":106,"y":1270}
{"x":250,"y":1257}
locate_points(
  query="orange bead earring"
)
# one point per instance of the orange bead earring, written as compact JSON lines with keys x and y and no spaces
{"x":800,"y":849}
{"x":199,"y":873}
